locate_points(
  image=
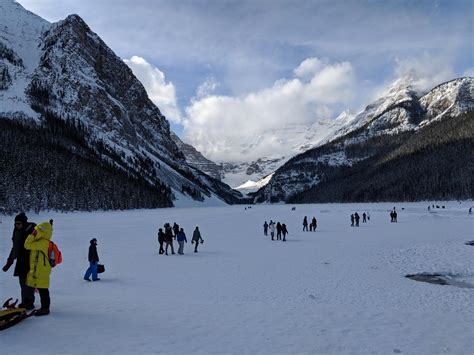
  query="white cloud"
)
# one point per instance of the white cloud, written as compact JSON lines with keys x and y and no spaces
{"x":207,"y":88}
{"x":162,"y":94}
{"x":424,"y":72}
{"x":228,"y":128}
{"x":309,"y":67}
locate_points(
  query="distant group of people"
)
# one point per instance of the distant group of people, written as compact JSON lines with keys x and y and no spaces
{"x":280,"y":228}
{"x":166,"y":237}
{"x":312,"y":226}
{"x":355,"y":218}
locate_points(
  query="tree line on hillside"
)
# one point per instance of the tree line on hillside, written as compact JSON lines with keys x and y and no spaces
{"x":52,"y":167}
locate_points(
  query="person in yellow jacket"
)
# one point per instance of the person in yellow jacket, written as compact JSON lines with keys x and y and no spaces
{"x":40,"y":268}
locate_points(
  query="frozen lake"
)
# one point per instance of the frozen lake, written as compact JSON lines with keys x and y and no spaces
{"x":338,"y":290}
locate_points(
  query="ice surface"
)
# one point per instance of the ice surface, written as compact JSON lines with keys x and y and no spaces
{"x":340,"y":290}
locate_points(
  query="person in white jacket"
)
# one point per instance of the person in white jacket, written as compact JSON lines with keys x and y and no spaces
{"x":271,"y":226}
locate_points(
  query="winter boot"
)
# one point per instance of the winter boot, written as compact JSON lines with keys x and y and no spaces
{"x":42,"y":312}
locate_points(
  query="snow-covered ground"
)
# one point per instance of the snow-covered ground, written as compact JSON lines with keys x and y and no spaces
{"x":340,"y":290}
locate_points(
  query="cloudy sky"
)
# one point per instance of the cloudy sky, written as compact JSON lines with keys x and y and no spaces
{"x":224,"y":72}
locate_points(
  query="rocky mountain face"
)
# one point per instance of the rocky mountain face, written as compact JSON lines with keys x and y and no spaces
{"x":62,"y":78}
{"x":195,"y":159}
{"x":404,"y":146}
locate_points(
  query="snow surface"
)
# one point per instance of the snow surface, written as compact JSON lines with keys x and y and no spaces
{"x":252,"y":186}
{"x":340,"y":290}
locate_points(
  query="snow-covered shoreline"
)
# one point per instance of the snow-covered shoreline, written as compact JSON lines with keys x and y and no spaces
{"x":336,"y":291}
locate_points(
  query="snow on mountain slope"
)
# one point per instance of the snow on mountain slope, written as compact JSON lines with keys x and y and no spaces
{"x":20,"y":33}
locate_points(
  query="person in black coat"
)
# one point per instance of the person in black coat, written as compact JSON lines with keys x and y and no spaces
{"x":175,"y":229}
{"x":284,"y":230}
{"x":168,"y":239}
{"x":278,"y":231}
{"x":357,"y":219}
{"x":305,"y":223}
{"x":93,"y":262}
{"x":18,"y":252}
{"x":161,"y":240}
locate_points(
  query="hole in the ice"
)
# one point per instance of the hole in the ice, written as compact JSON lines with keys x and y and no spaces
{"x":440,"y":279}
{"x":471,"y":242}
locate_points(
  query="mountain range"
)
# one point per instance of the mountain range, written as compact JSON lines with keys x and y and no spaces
{"x":403,"y":146}
{"x":80,"y":133}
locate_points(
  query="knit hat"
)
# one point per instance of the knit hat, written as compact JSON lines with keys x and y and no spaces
{"x":21,"y":218}
{"x":93,"y":241}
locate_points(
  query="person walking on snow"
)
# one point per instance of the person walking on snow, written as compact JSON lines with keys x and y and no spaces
{"x":161,"y":240}
{"x":278,"y":231}
{"x":196,"y":239}
{"x":271,"y":226}
{"x":357,"y":219}
{"x":168,"y":239}
{"x":352,"y":220}
{"x":364,"y":218}
{"x":181,"y":238}
{"x":18,"y":252}
{"x":284,"y":230}
{"x":314,"y":222}
{"x":40,"y":268}
{"x":305,"y":223}
{"x":265,"y":228}
{"x":93,"y":262}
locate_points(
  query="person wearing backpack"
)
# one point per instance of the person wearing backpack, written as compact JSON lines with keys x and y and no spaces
{"x":18,"y":252}
{"x":93,"y":262}
{"x":38,"y":243}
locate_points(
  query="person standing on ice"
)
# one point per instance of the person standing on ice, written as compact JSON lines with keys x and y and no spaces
{"x":352,"y":220}
{"x":357,"y":219}
{"x":364,"y":218}
{"x":168,"y":239}
{"x":284,"y":230}
{"x":40,"y":268}
{"x":314,"y":222}
{"x":278,"y":231}
{"x":161,"y":240}
{"x":181,"y":238}
{"x":271,"y":226}
{"x":93,"y":262}
{"x":175,"y":229}
{"x":265,"y":228}
{"x":196,"y":239}
{"x":305,"y":223}
{"x":22,"y":256}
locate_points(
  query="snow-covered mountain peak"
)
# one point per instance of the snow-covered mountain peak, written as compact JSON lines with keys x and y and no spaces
{"x":20,"y":31}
